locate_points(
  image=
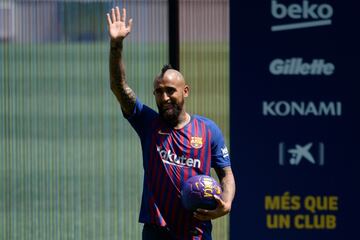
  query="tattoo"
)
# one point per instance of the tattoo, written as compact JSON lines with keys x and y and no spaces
{"x":227,"y":182}
{"x":124,"y":94}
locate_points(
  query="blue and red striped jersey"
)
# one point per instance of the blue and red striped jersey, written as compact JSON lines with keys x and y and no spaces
{"x":170,"y":157}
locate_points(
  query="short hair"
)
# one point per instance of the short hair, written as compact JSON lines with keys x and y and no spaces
{"x":164,"y":69}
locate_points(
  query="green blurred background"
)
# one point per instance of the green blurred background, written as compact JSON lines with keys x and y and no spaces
{"x":70,"y":165}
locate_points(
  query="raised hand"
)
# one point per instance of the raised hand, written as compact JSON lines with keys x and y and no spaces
{"x":117,"y":27}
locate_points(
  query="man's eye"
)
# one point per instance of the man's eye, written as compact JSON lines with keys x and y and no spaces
{"x":157,"y":92}
{"x":170,"y":91}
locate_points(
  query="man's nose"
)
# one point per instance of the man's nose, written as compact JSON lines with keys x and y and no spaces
{"x":165,"y":97}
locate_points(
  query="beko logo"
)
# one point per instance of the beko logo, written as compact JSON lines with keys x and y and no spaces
{"x":292,"y":108}
{"x":297,"y":66}
{"x":307,"y":14}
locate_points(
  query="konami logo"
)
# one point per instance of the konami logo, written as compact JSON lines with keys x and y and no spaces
{"x":292,"y":108}
{"x":307,"y":14}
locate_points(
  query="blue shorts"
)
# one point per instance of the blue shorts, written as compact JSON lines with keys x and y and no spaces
{"x":154,"y":232}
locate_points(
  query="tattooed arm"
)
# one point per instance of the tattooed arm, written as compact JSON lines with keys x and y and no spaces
{"x":227,"y":182}
{"x":118,"y":31}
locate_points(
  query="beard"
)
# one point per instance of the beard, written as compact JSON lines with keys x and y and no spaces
{"x":170,"y":115}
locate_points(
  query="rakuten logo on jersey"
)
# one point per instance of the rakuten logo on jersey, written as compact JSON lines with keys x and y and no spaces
{"x":168,"y":157}
{"x":292,"y":108}
{"x":296,"y":66}
{"x":306,"y":14}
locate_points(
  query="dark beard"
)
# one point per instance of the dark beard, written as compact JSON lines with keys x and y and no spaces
{"x":171,"y":119}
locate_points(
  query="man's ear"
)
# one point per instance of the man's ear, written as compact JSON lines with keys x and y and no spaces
{"x":186,"y":91}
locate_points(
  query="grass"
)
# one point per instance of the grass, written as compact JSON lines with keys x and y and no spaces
{"x":70,"y":165}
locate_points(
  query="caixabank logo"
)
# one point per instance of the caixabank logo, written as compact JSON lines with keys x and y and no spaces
{"x":300,"y":154}
{"x":290,"y":15}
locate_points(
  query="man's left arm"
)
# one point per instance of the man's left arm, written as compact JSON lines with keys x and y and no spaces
{"x":227,"y":182}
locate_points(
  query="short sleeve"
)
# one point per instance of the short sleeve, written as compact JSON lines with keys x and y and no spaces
{"x":220,"y":157}
{"x":141,"y":118}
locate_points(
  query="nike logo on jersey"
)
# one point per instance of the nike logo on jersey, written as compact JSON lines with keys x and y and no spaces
{"x":163,"y":133}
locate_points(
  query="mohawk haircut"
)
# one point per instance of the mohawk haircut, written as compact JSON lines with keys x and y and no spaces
{"x":164,"y":69}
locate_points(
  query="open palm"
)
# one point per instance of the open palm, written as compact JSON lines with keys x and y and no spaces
{"x":117,"y":24}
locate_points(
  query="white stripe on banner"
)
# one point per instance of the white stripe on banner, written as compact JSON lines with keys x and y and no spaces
{"x":291,"y":26}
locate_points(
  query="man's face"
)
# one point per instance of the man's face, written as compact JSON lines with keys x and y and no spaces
{"x":170,"y":92}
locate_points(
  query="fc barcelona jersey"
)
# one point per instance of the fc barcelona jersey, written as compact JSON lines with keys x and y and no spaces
{"x":170,"y":157}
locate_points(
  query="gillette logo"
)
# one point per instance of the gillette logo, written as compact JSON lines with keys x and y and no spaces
{"x":297,"y":66}
{"x":307,"y":14}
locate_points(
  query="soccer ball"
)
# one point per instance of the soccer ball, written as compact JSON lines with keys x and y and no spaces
{"x":198,"y":192}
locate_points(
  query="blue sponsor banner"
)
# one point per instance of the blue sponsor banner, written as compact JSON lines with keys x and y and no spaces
{"x":295,"y":118}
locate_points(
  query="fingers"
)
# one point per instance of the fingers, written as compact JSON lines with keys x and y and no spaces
{"x":130,"y":24}
{"x":123,"y":17}
{"x":219,"y":200}
{"x":202,"y":215}
{"x":108,"y":19}
{"x":203,"y":211}
{"x":117,"y":14}
{"x":113,"y":17}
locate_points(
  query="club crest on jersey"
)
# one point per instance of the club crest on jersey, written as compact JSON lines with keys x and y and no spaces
{"x":196,"y":142}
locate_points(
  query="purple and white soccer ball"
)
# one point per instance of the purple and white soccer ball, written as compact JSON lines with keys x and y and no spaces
{"x":198,"y":192}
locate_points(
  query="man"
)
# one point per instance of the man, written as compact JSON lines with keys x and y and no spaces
{"x":175,"y":147}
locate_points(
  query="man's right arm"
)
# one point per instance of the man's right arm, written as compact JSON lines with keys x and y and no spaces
{"x":124,"y":94}
{"x":117,"y":32}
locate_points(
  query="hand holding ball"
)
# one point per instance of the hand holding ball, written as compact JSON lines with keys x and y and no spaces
{"x":198,"y":192}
